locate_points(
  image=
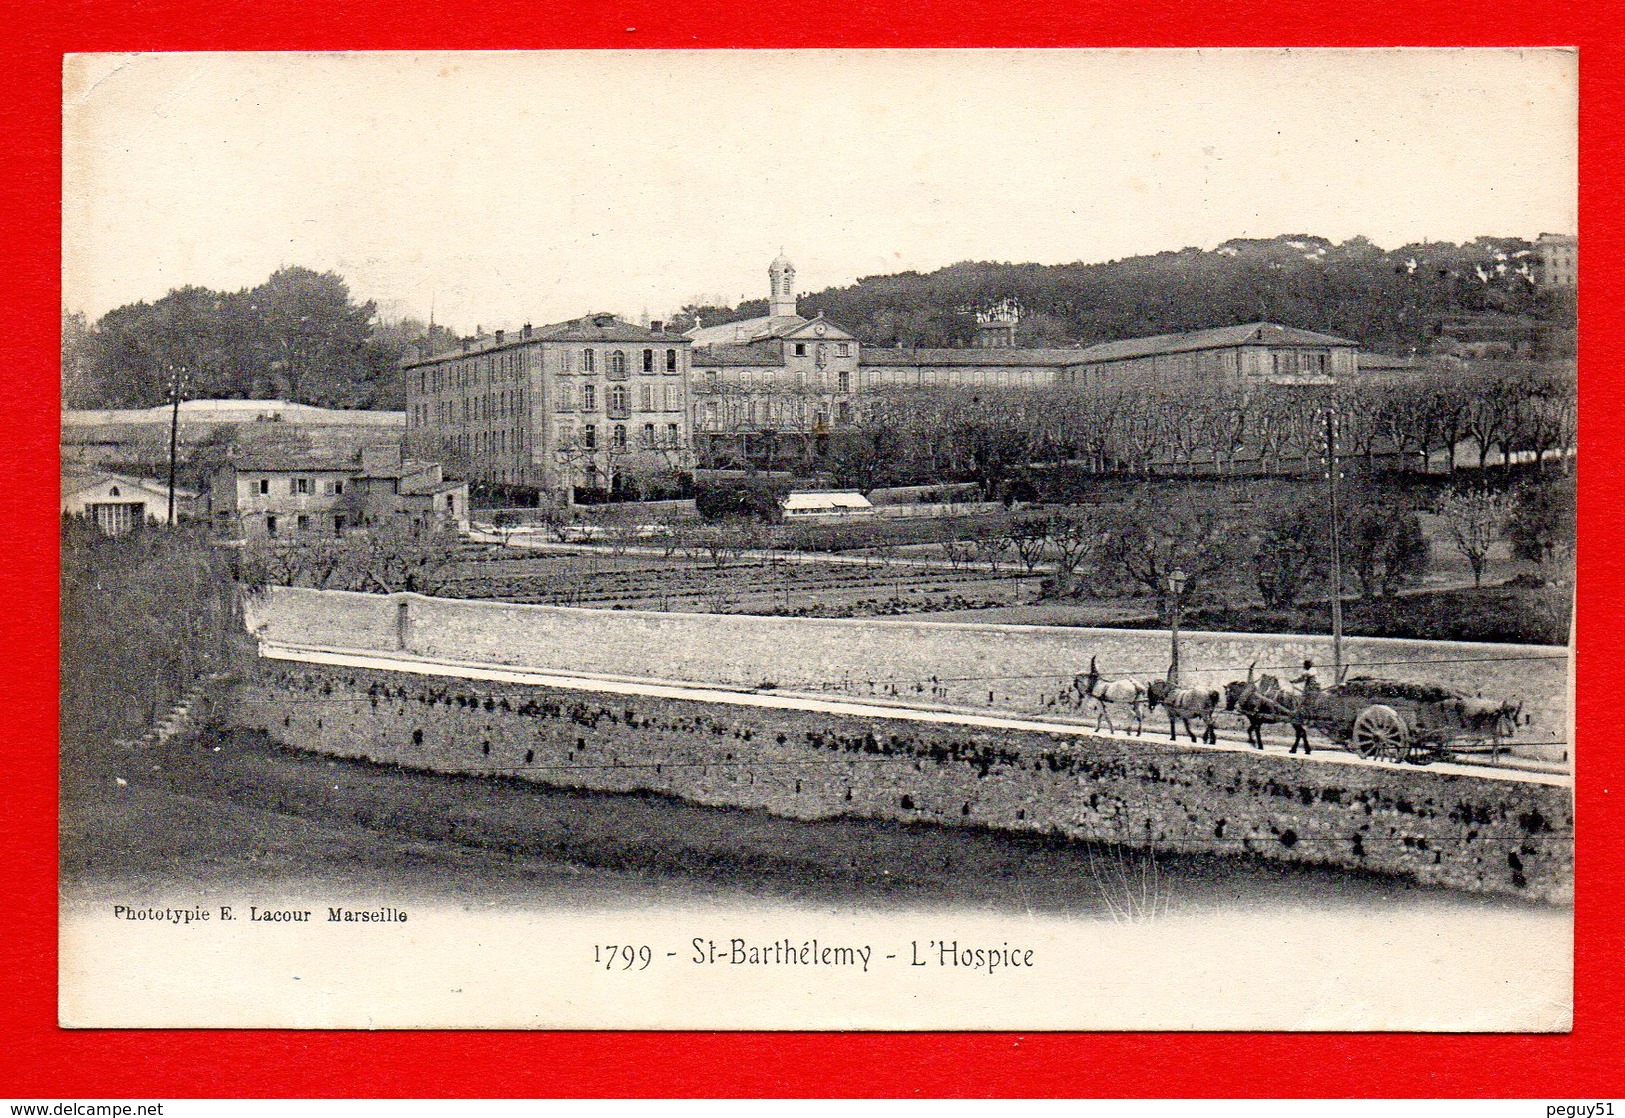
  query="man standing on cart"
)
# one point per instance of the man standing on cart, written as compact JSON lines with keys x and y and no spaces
{"x":1308,"y":683}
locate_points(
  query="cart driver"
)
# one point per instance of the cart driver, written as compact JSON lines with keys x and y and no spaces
{"x":1308,"y":683}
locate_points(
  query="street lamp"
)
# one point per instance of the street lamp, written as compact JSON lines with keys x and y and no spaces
{"x":1176,"y":589}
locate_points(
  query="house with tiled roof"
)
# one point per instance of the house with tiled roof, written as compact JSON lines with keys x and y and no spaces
{"x":299,"y":496}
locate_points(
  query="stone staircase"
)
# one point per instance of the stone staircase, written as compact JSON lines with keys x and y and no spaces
{"x":179,"y":718}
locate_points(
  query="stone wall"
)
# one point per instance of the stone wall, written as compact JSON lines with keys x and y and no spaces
{"x":1466,"y":832}
{"x":1007,"y":667}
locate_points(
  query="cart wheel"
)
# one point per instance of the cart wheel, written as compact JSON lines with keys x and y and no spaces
{"x":1379,"y":732}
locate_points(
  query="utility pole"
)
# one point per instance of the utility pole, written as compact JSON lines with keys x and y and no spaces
{"x":177,"y":385}
{"x":1337,"y":554}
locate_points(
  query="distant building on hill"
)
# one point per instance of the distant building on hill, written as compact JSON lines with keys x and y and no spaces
{"x":1559,"y":261}
{"x":1504,"y":336}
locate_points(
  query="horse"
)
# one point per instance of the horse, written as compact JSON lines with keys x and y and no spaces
{"x":1104,"y":691}
{"x":1265,"y":703}
{"x":1183,"y":704}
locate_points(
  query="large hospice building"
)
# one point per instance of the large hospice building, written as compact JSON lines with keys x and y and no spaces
{"x":578,"y":404}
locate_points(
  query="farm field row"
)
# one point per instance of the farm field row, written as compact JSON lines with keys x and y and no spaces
{"x":745,"y":587}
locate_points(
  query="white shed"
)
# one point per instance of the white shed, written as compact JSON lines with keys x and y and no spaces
{"x":117,"y":503}
{"x":838,"y":503}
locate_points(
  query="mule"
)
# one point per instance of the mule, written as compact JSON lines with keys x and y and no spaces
{"x":1129,"y":692}
{"x":1184,"y":704}
{"x":1265,"y":703}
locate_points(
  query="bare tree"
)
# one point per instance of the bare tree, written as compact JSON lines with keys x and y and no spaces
{"x":1076,"y":539}
{"x":991,"y":545}
{"x":1028,"y":537}
{"x":1474,"y":519}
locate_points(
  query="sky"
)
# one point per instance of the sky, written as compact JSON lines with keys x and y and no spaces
{"x":503,"y":188}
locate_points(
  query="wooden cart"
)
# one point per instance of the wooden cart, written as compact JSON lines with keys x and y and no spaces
{"x":1391,"y":720}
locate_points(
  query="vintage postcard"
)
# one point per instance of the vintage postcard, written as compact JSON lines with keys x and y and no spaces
{"x":836,"y":540}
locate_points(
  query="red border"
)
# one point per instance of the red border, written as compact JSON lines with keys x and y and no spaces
{"x":41,"y":1061}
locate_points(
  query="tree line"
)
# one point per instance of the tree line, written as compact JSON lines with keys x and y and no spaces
{"x":1040,"y":440}
{"x":1388,"y":300}
{"x":298,"y":336}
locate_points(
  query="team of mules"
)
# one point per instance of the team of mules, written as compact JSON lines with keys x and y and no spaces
{"x":1262,"y":701}
{"x":1182,"y":703}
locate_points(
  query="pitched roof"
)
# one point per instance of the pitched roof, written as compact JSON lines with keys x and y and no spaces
{"x":588,"y":328}
{"x":1222,"y":337}
{"x":76,"y":481}
{"x":273,"y":462}
{"x":747,"y":330}
{"x":831,"y":500}
{"x":760,"y":355}
{"x":595,"y":328}
{"x":395,"y":469}
{"x":874,"y":355}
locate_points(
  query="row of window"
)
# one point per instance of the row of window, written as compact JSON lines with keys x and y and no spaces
{"x":302,"y":522}
{"x":821,"y":351}
{"x":915,"y":377}
{"x":473,"y":445}
{"x":510,"y":366}
{"x":618,"y":399}
{"x":504,"y":404}
{"x":770,"y":413}
{"x":1301,"y":363}
{"x":650,"y":438}
{"x":615,"y":362}
{"x":767,"y":379}
{"x":473,"y":372}
{"x":301,"y":486}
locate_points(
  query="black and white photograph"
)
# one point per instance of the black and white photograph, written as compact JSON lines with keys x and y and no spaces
{"x":819,"y":540}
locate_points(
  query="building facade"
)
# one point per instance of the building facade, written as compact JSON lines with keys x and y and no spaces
{"x":1236,"y":358}
{"x":118,"y":504}
{"x":1559,"y":261}
{"x":773,"y":388}
{"x":299,"y":497}
{"x":587,"y":404}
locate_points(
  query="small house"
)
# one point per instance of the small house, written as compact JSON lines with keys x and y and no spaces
{"x":118,"y":503}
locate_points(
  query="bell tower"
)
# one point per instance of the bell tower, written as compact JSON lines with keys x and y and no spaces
{"x":781,"y":276}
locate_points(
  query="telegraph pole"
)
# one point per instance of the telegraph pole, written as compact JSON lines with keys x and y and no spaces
{"x":1337,"y":555}
{"x":177,"y":384}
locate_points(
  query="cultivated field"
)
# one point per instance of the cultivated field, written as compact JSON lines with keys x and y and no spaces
{"x":810,"y":586}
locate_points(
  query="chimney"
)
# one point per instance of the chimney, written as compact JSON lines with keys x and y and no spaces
{"x":526,"y":333}
{"x":466,"y":343}
{"x":657,"y":326}
{"x":500,"y":334}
